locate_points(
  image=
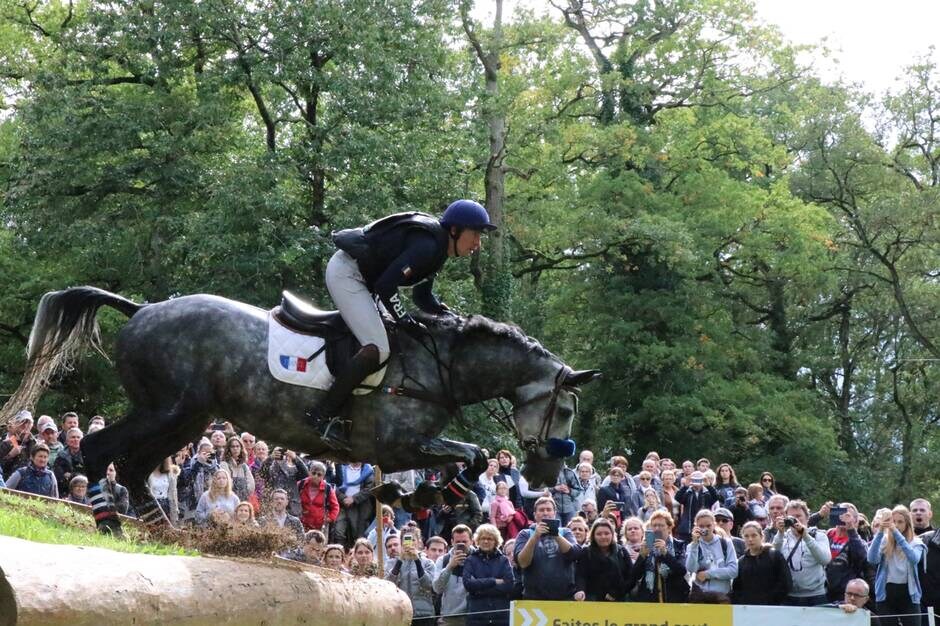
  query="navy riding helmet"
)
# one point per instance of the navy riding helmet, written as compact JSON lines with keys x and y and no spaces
{"x":467,"y":214}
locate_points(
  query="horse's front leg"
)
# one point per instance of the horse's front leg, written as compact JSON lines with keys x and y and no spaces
{"x":441,"y":451}
{"x":435,"y":452}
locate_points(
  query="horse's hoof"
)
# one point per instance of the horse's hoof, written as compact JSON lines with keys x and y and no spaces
{"x":479,"y":461}
{"x":111,"y":527}
{"x":388,"y":493}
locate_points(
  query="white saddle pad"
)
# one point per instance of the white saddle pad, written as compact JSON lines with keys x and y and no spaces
{"x":289,"y":359}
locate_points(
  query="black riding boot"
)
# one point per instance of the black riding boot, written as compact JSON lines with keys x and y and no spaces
{"x":324,"y":415}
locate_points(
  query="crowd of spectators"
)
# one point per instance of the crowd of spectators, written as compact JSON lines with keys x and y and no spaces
{"x":670,"y":533}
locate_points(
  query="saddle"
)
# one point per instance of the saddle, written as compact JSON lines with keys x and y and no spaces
{"x":303,"y":317}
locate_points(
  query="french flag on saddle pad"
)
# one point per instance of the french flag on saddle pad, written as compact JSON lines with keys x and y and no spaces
{"x":293,"y":363}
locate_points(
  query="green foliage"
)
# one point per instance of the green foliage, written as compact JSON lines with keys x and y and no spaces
{"x":749,"y":254}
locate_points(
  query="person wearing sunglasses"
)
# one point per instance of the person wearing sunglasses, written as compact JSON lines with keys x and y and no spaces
{"x":318,"y":504}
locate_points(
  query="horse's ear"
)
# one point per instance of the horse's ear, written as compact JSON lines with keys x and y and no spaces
{"x":581,"y":377}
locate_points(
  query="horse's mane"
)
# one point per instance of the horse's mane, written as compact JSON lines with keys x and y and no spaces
{"x":479,"y":325}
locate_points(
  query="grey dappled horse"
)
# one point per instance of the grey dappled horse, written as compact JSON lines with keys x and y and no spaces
{"x":186,"y":360}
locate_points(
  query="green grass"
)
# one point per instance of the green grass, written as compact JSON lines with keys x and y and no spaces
{"x":53,"y":522}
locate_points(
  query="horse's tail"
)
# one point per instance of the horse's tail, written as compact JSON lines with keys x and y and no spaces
{"x":65,"y":323}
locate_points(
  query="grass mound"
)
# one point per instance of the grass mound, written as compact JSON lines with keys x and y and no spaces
{"x":47,"y":521}
{"x":54,"y":522}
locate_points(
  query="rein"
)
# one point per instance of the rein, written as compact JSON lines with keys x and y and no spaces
{"x":500,"y":413}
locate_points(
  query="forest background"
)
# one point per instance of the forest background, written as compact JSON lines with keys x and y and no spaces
{"x":749,"y":252}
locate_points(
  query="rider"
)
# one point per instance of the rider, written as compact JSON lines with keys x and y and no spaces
{"x":405,"y":249}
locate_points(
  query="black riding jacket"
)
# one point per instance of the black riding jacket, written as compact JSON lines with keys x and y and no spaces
{"x":404,"y":249}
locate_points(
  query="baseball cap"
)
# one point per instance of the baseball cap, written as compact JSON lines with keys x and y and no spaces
{"x":49,"y":426}
{"x":723,"y":512}
{"x":23,"y":416}
{"x":697,"y":476}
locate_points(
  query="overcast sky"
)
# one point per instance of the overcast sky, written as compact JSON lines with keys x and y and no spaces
{"x":874,"y":40}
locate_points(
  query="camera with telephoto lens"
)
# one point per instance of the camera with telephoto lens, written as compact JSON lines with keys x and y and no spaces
{"x":789,"y":521}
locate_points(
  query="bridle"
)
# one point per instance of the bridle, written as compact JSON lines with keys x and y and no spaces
{"x":500,"y":413}
{"x":505,"y":416}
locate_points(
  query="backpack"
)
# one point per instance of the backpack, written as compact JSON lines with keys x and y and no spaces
{"x":843,"y":568}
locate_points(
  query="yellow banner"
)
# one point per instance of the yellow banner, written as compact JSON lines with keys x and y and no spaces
{"x":533,"y":613}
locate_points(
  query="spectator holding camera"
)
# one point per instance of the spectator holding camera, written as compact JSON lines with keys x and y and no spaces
{"x":413,"y":574}
{"x":694,"y":497}
{"x":849,"y":553}
{"x":195,"y":479}
{"x":776,"y":506}
{"x":806,"y":550}
{"x":740,"y":511}
{"x":713,"y":561}
{"x":448,"y":577}
{"x":488,"y":579}
{"x":621,"y":491}
{"x":896,"y":552}
{"x":604,"y":567}
{"x":283,"y":470}
{"x":546,"y":555}
{"x":658,"y":575}
{"x":763,"y":575}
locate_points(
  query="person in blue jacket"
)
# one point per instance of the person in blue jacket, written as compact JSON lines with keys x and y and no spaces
{"x":896,"y":552}
{"x":488,"y":579}
{"x":401,"y":250}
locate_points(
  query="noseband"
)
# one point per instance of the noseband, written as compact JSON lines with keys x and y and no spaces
{"x":532,"y":443}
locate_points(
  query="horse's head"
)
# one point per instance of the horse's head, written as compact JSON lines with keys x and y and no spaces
{"x":542,"y":414}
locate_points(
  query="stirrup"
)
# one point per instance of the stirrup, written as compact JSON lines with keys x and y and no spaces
{"x":328,"y":431}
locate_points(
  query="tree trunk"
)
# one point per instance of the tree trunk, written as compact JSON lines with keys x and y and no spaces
{"x":100,"y":587}
{"x":492,"y":271}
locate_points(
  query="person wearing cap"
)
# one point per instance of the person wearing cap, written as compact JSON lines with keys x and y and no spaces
{"x":372,"y":263}
{"x":50,"y":436}
{"x":16,"y":449}
{"x":36,"y":476}
{"x":724,"y":521}
{"x":693,"y":497}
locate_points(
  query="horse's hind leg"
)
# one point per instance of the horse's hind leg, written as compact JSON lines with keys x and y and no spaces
{"x":136,"y":445}
{"x":99,"y":449}
{"x":135,"y":468}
